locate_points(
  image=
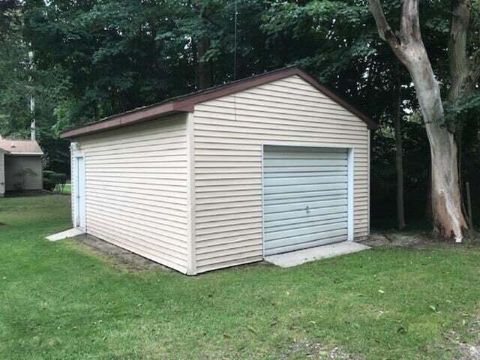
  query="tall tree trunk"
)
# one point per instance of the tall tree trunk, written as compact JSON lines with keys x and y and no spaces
{"x":448,"y":218}
{"x":428,"y":203}
{"x":464,"y":73}
{"x":203,"y":68}
{"x":202,"y":44}
{"x":399,"y":160}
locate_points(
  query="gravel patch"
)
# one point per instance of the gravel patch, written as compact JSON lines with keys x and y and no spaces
{"x":468,"y":350}
{"x":312,"y":350}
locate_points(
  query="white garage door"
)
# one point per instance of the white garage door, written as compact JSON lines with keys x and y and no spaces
{"x":305,"y":192}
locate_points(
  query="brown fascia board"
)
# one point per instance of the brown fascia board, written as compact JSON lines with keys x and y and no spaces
{"x":187,"y":103}
{"x":124,"y":119}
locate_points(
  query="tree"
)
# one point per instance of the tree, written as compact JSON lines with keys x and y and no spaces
{"x":408,"y":46}
{"x":399,"y":157}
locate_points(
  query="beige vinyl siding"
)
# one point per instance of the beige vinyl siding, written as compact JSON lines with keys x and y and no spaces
{"x":229,"y":133}
{"x":15,"y":164}
{"x":136,"y":189}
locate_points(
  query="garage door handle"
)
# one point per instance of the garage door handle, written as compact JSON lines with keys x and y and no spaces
{"x":307,"y":209}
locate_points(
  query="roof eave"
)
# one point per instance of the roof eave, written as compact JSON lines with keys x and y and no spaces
{"x":13,"y":153}
{"x":126,"y":119}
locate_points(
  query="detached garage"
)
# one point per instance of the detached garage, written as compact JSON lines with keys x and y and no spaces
{"x":226,"y":176}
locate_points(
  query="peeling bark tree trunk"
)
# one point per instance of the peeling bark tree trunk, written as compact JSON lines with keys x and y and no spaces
{"x":399,"y":160}
{"x":448,"y":218}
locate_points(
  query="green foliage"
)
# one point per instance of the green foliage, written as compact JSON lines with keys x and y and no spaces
{"x":95,"y":58}
{"x":465,"y":109}
{"x":54,"y":181}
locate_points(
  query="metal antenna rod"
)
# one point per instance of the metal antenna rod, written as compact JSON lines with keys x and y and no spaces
{"x":235,"y":45}
{"x":32,"y":100}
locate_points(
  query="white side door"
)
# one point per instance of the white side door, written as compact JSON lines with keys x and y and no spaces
{"x":79,"y":189}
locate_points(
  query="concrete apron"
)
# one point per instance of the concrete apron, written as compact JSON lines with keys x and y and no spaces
{"x":303,"y":256}
{"x":65,"y":234}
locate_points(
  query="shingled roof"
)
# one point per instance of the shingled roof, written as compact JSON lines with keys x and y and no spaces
{"x":186,"y":103}
{"x":20,"y":147}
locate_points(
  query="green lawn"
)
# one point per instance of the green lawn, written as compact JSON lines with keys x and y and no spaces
{"x":65,"y":189}
{"x":60,"y":301}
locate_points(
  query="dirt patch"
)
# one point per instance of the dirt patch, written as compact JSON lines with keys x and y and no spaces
{"x":412,"y":240}
{"x":313,"y":350}
{"x":397,"y":239}
{"x":116,"y":255}
{"x":467,"y":349}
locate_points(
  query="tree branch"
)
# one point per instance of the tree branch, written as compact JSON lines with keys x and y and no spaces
{"x":457,"y":47}
{"x":410,"y":23}
{"x":384,"y":30}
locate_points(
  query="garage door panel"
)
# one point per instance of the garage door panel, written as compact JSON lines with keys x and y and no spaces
{"x":305,"y":241}
{"x":287,"y":224}
{"x":304,"y":162}
{"x":339,"y":211}
{"x":306,"y":174}
{"x":303,"y":188}
{"x":272,"y":150}
{"x":292,"y":247}
{"x":295,"y":196}
{"x":305,"y":197}
{"x":305,"y":207}
{"x":306,"y":155}
{"x":301,"y":232}
{"x":272,"y":171}
{"x":305,"y":180}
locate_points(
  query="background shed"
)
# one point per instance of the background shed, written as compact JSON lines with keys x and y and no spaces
{"x":21,"y":165}
{"x":226,"y":176}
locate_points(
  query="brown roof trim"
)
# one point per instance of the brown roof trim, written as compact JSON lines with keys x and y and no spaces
{"x":187,"y":103}
{"x":124,"y":119}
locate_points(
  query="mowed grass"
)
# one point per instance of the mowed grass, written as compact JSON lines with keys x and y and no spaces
{"x":65,"y":189}
{"x":60,"y":301}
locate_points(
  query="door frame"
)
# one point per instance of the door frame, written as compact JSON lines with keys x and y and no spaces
{"x":78,"y":213}
{"x":350,"y":182}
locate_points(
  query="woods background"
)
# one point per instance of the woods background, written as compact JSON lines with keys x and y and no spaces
{"x":94,"y":58}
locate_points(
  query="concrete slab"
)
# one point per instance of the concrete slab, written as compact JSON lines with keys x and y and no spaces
{"x":299,"y":257}
{"x":65,"y":234}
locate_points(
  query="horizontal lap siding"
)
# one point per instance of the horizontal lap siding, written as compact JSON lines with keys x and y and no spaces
{"x":229,"y":133}
{"x":136,"y":189}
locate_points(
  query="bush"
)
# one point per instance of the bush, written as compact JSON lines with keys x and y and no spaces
{"x":52,"y":180}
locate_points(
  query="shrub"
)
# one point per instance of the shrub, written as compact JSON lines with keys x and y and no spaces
{"x":53,"y":180}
